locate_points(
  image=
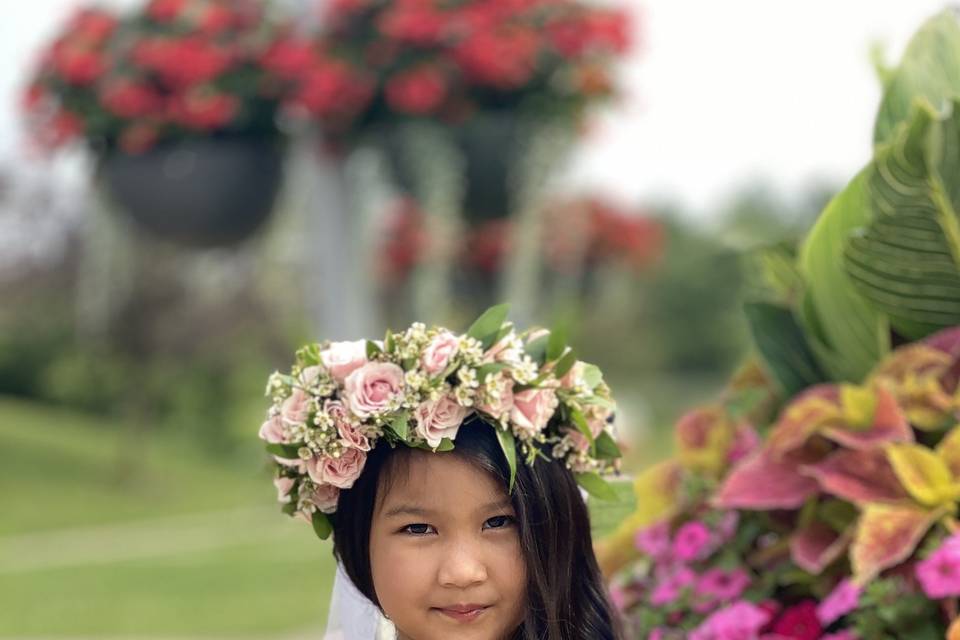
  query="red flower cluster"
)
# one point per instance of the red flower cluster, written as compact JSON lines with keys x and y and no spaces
{"x":444,"y":59}
{"x":176,"y":68}
{"x":578,"y":234}
{"x":183,"y":67}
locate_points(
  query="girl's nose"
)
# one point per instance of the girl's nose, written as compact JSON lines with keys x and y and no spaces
{"x":461,"y":567}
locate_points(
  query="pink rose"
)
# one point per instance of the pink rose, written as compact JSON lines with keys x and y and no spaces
{"x":283,"y":486}
{"x":323,"y":497}
{"x":532,"y":409}
{"x":597,"y":419}
{"x":347,"y":430}
{"x":369,"y":390}
{"x":293,"y":463}
{"x":438,"y":354}
{"x":340,"y":472}
{"x":573,"y":377}
{"x":343,"y":358}
{"x":503,"y":405}
{"x":580,"y":441}
{"x":308,"y":375}
{"x":296,"y":408}
{"x":507,"y":349}
{"x":272,"y":430}
{"x":440,"y":419}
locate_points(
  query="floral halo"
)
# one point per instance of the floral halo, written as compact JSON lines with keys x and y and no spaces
{"x":416,"y":388}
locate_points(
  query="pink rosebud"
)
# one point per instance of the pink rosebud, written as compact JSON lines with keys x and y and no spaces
{"x":692,"y":541}
{"x":574,"y":377}
{"x":532,"y":409}
{"x":844,"y":598}
{"x":296,"y":409}
{"x":283,"y":486}
{"x":340,"y":472}
{"x":293,"y":463}
{"x":347,"y":430}
{"x":323,"y":497}
{"x":272,"y":430}
{"x":343,"y":358}
{"x":438,"y":354}
{"x":499,"y":407}
{"x":370,"y":389}
{"x":507,"y":349}
{"x":440,"y":419}
{"x":309,"y":374}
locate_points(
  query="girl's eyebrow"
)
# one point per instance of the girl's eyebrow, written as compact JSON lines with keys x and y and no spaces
{"x":503,"y":503}
{"x":408,"y":510}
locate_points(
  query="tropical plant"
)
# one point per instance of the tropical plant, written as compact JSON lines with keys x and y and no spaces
{"x":839,"y":453}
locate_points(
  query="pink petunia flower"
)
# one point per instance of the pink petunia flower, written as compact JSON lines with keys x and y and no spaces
{"x":671,"y":587}
{"x":692,"y":541}
{"x":939,"y":575}
{"x":654,"y":540}
{"x":844,"y":598}
{"x":719,"y":584}
{"x":739,"y":621}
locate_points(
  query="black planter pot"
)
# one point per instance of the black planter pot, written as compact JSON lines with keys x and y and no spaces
{"x":490,"y":144}
{"x":201,"y":193}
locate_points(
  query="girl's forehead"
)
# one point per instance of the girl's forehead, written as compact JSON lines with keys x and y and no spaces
{"x":441,"y":480}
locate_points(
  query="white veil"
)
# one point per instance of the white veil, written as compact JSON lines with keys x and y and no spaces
{"x":352,"y":616}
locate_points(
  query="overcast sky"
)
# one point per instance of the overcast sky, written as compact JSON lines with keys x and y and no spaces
{"x":720,"y":92}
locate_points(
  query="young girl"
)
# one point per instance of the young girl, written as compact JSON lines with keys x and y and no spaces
{"x":407,"y":451}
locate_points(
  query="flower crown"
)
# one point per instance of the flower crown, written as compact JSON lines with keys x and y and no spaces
{"x":416,"y":388}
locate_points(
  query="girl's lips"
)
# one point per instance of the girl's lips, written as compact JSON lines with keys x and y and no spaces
{"x":463,"y":613}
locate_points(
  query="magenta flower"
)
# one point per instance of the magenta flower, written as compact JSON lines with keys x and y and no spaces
{"x":719,"y":584}
{"x":939,"y":575}
{"x":654,"y":541}
{"x":692,"y":541}
{"x":671,"y":588}
{"x":844,"y":598}
{"x":740,"y":621}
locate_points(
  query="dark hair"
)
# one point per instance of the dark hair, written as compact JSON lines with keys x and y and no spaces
{"x":566,"y":599}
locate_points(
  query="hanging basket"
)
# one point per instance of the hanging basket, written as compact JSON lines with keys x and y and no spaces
{"x":491,"y":144}
{"x":200,"y":193}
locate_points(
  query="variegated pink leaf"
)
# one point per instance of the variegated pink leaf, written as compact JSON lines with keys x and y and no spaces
{"x":886,"y":535}
{"x":761,"y":482}
{"x":814,"y":547}
{"x":889,"y":425}
{"x":803,"y":417}
{"x":858,"y":476}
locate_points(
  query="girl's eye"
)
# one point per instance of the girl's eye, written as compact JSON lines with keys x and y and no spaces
{"x":417,"y":529}
{"x":498,"y":522}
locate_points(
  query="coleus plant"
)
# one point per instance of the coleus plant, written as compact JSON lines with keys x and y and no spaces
{"x":847,"y":456}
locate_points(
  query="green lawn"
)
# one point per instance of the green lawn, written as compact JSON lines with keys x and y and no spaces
{"x":103,"y":536}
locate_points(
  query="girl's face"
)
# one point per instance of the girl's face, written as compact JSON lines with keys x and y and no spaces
{"x":445,"y":553}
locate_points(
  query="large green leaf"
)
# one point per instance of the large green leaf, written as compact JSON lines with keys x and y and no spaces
{"x":930,"y":69}
{"x":847,"y":334}
{"x":907,"y":260}
{"x":783,"y":346}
